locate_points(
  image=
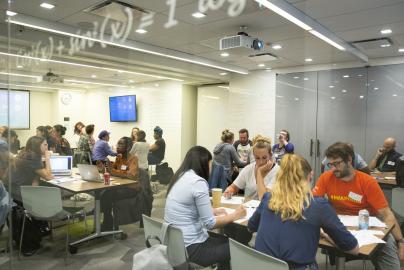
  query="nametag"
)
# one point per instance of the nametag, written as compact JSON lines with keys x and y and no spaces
{"x":391,"y":163}
{"x":355,"y":197}
{"x":123,"y":167}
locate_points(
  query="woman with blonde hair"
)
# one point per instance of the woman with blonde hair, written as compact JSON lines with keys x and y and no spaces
{"x":289,"y":219}
{"x":246,"y":180}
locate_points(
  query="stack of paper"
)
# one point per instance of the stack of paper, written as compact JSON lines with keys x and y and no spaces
{"x":353,"y":221}
{"x":366,"y":237}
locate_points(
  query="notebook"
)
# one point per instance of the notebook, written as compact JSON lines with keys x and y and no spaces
{"x":61,"y":165}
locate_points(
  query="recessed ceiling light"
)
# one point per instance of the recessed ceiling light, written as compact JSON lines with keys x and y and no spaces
{"x":223,"y":73}
{"x":331,"y":86}
{"x":261,"y":65}
{"x":361,"y":97}
{"x":224,"y":54}
{"x":296,"y":77}
{"x":131,"y":81}
{"x":279,"y":96}
{"x":268,"y":69}
{"x":297,"y":99}
{"x":385,"y":45}
{"x":401,"y":50}
{"x":308,"y":60}
{"x":198,"y":15}
{"x":343,"y":91}
{"x":19,"y":66}
{"x":332,"y":97}
{"x":11,"y":13}
{"x":394,"y":95}
{"x":276,"y":46}
{"x":93,"y":76}
{"x":156,"y":85}
{"x":376,"y":88}
{"x":360,"y":75}
{"x":141,"y":31}
{"x":47,"y":5}
{"x":306,"y":79}
{"x":346,"y":76}
{"x":386,"y":31}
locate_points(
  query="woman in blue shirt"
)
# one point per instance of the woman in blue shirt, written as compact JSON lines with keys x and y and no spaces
{"x":188,"y":208}
{"x":289,"y":219}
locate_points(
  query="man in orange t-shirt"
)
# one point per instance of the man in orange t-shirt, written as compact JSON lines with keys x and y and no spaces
{"x":350,"y":191}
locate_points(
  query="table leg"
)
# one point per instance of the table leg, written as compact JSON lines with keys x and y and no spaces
{"x":340,"y":262}
{"x":97,"y":222}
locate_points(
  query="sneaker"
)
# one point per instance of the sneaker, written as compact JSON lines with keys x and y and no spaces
{"x":28,"y":253}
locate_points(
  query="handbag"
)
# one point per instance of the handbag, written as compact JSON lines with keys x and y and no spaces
{"x":154,"y":256}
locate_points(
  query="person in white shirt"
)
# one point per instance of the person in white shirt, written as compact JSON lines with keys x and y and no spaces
{"x":140,"y":149}
{"x":246,"y":180}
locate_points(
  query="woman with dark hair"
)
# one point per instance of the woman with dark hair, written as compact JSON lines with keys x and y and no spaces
{"x":62,"y":145}
{"x":140,"y":149}
{"x":85,"y":145}
{"x":188,"y":208}
{"x":28,"y":167}
{"x":42,"y":131}
{"x":284,"y":146}
{"x":133,"y":134}
{"x":126,"y":166}
{"x":78,"y":130}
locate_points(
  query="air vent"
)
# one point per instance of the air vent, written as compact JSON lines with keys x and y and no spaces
{"x":115,"y":10}
{"x":371,"y":44}
{"x":263,"y":57}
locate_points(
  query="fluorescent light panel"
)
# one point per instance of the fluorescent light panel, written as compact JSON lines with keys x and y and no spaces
{"x":125,"y":46}
{"x":326,"y":39}
{"x":284,"y":14}
{"x":11,"y":13}
{"x":47,"y":5}
{"x":95,"y":83}
{"x":89,"y":66}
{"x":198,"y":15}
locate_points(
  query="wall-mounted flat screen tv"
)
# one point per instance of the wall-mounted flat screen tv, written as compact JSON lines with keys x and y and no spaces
{"x":122,"y":109}
{"x":14,"y":109}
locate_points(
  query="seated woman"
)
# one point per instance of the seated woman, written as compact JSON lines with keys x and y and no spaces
{"x":289,"y":219}
{"x":42,"y":131}
{"x":188,"y":208}
{"x":125,"y":166}
{"x":62,"y":144}
{"x":247,"y":178}
{"x":28,"y":166}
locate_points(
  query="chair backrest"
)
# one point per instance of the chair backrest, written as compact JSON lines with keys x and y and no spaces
{"x":397,"y":201}
{"x":42,"y":202}
{"x":243,"y":257}
{"x":176,"y":252}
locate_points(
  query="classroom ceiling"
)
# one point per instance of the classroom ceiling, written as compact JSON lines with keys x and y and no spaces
{"x":349,"y":20}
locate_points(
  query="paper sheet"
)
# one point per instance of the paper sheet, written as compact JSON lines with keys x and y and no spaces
{"x":64,"y":180}
{"x":250,"y":212}
{"x":374,"y":232}
{"x":233,"y":200}
{"x":353,"y":221}
{"x":252,"y":203}
{"x":365,"y":237}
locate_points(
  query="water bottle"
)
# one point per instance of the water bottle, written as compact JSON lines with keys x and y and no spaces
{"x":363,"y":219}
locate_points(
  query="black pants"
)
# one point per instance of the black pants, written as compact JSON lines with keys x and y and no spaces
{"x":108,"y":198}
{"x":238,"y":232}
{"x":214,"y":250}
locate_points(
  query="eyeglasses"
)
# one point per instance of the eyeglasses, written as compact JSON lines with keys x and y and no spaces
{"x":334,"y":164}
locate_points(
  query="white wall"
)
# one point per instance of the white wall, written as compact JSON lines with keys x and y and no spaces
{"x":189,"y":118}
{"x":157,"y":105}
{"x":248,"y":103}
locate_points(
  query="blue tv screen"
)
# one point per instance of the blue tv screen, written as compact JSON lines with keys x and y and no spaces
{"x":122,"y":109}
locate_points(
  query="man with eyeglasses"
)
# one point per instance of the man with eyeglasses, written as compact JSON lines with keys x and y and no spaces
{"x":349,"y":191}
{"x":386,"y":157}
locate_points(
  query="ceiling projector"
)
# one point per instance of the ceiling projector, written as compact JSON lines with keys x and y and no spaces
{"x":242,"y":40}
{"x":52,"y":78}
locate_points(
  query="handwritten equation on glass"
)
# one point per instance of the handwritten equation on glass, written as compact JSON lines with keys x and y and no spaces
{"x":119,"y":31}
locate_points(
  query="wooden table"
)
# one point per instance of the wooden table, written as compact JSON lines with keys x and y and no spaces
{"x":96,"y":189}
{"x":381,"y":178}
{"x":364,"y":252}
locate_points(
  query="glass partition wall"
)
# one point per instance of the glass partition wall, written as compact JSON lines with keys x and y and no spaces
{"x":362,"y":106}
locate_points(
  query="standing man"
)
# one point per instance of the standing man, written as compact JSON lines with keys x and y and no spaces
{"x":101,"y":148}
{"x":350,"y":191}
{"x":243,"y":144}
{"x":158,"y":149}
{"x":283,"y":147}
{"x":386,"y":157}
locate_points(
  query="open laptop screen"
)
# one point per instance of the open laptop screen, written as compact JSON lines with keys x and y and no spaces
{"x":61,"y":163}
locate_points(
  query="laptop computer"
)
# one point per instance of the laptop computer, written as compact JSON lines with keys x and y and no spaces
{"x":61,"y":165}
{"x":89,"y":173}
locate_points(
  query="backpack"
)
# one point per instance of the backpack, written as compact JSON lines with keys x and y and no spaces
{"x":154,"y":256}
{"x":164,"y":173}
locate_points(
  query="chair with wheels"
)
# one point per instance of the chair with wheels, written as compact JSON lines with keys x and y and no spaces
{"x":45,"y":204}
{"x":243,"y":257}
{"x":176,"y":251}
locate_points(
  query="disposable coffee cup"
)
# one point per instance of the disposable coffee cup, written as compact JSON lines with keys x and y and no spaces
{"x":216,"y":197}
